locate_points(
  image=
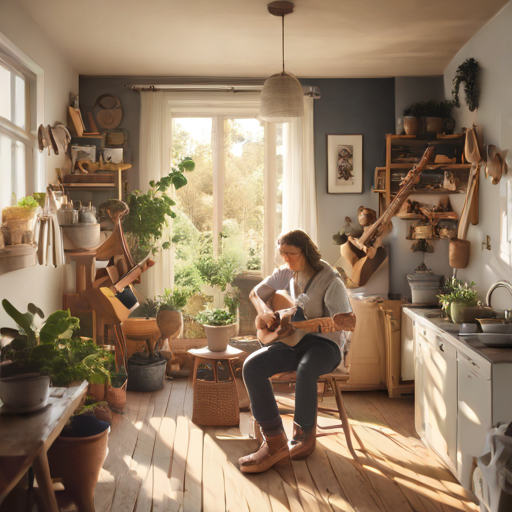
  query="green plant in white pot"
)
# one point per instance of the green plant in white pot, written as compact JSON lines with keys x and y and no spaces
{"x":220,"y":326}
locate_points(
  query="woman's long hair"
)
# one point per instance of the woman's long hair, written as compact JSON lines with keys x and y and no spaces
{"x":301,"y":240}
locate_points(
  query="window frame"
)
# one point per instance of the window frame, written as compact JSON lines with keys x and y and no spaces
{"x":221,"y":106}
{"x":19,"y":64}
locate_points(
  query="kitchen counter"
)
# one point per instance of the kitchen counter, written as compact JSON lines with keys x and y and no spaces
{"x":462,"y":389}
{"x":429,"y":316}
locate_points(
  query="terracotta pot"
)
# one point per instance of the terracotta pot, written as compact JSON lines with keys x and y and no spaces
{"x":140,"y":328}
{"x":411,"y":125}
{"x":218,"y":336}
{"x":97,"y":391}
{"x":458,"y":253}
{"x":434,"y":124}
{"x":169,"y":323}
{"x":78,"y":460}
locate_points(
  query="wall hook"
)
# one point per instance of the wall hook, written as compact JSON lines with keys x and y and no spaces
{"x":487,"y":243}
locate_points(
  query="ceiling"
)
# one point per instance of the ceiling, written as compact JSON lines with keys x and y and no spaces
{"x":239,"y":38}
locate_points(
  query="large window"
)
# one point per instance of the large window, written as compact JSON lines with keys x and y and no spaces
{"x":221,"y":212}
{"x":16,"y":141}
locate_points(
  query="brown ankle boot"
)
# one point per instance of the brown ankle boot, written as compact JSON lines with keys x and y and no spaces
{"x":303,"y":443}
{"x":272,"y":450}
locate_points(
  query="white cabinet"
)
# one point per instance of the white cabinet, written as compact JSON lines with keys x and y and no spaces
{"x":419,"y":388}
{"x":436,"y":393}
{"x":474,"y":418}
{"x":441,"y":369}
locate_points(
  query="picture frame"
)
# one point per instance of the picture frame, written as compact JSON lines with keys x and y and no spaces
{"x":345,"y":164}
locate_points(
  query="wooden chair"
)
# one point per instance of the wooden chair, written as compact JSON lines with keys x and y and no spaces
{"x":331,"y":380}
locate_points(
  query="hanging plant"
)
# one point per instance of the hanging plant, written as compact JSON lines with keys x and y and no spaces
{"x":467,"y":72}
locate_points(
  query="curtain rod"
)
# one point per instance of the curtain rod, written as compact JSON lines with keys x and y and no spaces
{"x":309,"y":90}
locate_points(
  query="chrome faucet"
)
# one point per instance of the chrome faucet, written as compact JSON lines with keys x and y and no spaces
{"x":500,"y":284}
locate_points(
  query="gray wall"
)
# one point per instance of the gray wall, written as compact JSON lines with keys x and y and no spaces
{"x":410,"y":90}
{"x":91,"y":88}
{"x":349,"y":106}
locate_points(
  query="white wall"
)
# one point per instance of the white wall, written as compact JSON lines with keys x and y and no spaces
{"x":491,"y":47}
{"x":40,"y":285}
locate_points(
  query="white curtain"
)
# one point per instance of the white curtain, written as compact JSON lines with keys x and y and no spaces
{"x":299,"y":190}
{"x":154,"y":163}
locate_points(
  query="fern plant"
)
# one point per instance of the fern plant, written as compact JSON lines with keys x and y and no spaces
{"x":467,"y":73}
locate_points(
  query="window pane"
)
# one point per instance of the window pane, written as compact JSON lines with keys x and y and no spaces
{"x":20,"y":170}
{"x":5,"y":93}
{"x":5,"y":171}
{"x":192,"y":228}
{"x":279,"y":178}
{"x":243,"y":195}
{"x":19,"y":109}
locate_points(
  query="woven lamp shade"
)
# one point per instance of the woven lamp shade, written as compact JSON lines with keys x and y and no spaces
{"x":282,"y":99}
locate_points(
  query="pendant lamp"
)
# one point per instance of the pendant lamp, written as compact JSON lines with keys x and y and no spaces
{"x":282,"y":99}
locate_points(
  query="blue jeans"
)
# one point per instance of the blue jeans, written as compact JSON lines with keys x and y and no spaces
{"x":313,"y":356}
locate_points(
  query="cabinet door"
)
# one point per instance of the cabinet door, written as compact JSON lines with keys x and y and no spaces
{"x":474,"y":419}
{"x":419,"y":396}
{"x":441,"y":397}
{"x":407,"y":348}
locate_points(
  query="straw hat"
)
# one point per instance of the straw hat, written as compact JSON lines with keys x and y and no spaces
{"x":110,"y":113}
{"x":496,"y":163}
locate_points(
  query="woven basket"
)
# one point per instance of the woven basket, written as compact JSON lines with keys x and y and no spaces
{"x":116,"y":398}
{"x":215,"y":403}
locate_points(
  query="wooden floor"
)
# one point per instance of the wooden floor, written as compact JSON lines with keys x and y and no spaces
{"x":160,"y":461}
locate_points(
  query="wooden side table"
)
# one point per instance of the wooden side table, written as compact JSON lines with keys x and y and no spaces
{"x":215,"y":394}
{"x":26,"y":439}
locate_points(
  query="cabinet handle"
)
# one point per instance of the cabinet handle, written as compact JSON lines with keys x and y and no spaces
{"x":469,"y":377}
{"x":441,"y":347}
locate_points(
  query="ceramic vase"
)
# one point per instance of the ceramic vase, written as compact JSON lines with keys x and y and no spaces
{"x":411,"y":125}
{"x":169,"y":323}
{"x":218,"y":336}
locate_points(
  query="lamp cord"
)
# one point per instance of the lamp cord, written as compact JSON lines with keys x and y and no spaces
{"x":282,"y":34}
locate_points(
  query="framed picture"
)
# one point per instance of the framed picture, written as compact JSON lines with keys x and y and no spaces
{"x":344,"y":164}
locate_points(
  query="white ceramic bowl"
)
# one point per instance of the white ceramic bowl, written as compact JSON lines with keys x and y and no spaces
{"x":27,"y":391}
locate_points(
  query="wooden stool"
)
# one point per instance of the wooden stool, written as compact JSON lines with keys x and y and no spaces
{"x":329,"y":379}
{"x":215,"y":394}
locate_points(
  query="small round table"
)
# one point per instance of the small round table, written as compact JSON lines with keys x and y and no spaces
{"x":215,"y":394}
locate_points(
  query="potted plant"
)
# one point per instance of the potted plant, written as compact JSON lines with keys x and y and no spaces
{"x":169,"y":317}
{"x":220,"y":325}
{"x":52,"y":350}
{"x":467,"y":73}
{"x":428,"y":117}
{"x":149,"y":212}
{"x":461,"y":302}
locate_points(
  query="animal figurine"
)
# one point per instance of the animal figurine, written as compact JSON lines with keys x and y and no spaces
{"x":348,"y":229}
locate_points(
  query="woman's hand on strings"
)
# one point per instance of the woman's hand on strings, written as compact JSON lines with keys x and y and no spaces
{"x":268,"y":321}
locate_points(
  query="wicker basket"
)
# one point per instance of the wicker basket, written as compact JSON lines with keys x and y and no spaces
{"x":215,"y":403}
{"x":116,"y":398}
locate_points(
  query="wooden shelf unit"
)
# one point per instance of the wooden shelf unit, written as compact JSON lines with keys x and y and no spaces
{"x":386,"y":194}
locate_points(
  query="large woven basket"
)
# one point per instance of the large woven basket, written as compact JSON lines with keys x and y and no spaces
{"x":215,"y":403}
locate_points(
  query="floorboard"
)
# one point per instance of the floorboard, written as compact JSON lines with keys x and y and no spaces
{"x":160,"y":461}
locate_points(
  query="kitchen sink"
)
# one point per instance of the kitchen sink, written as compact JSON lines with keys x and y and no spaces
{"x":501,"y":340}
{"x":435,"y":314}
